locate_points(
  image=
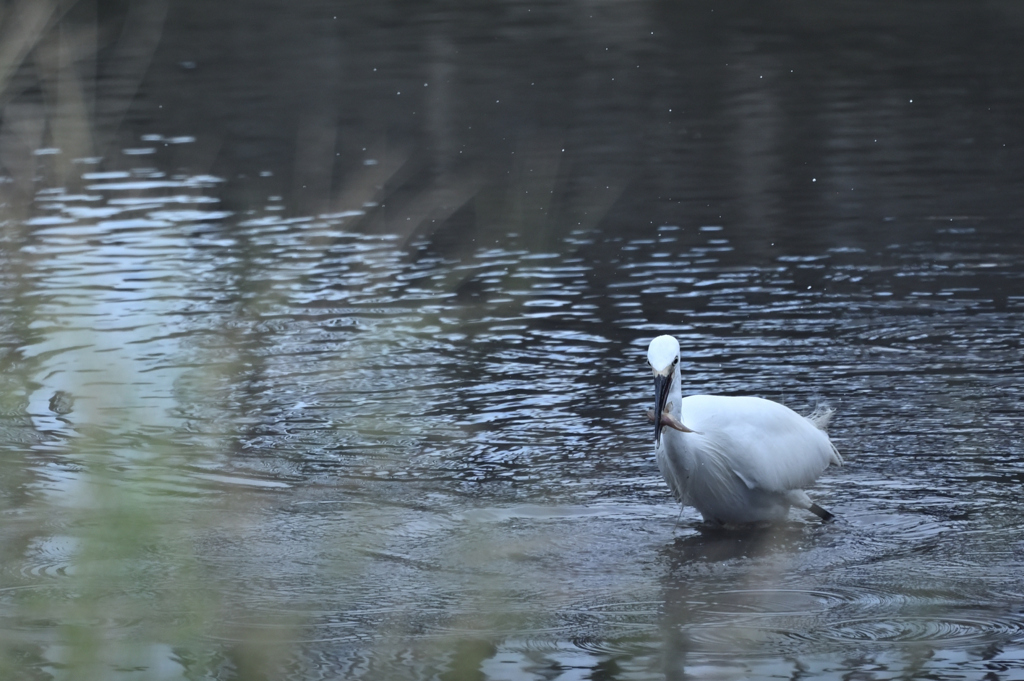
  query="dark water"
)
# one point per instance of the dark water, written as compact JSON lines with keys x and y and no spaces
{"x":322,"y":336}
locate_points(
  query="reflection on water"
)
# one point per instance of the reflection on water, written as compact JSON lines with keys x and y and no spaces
{"x":304,"y":387}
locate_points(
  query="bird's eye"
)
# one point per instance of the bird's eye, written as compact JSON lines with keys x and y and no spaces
{"x":675,"y":361}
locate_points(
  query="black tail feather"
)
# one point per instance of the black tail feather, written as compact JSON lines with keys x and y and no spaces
{"x":821,"y":513}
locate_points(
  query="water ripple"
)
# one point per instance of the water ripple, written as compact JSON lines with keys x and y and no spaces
{"x":938,"y":631}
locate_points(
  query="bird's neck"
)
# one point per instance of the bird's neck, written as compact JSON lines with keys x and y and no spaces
{"x":678,"y":442}
{"x":675,"y":396}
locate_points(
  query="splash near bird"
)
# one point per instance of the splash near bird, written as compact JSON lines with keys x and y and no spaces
{"x":737,"y":460}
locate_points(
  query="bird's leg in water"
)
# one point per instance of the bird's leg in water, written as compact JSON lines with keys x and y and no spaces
{"x":670,"y":421}
{"x":821,"y":513}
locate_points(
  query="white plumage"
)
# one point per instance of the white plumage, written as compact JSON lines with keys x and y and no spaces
{"x":737,"y":460}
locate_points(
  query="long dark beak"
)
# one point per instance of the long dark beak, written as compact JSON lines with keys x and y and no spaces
{"x":661,"y":388}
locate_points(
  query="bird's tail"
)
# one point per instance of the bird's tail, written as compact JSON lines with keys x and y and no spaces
{"x":820,"y":418}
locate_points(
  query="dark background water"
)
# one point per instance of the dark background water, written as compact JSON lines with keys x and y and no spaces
{"x":322,"y":330}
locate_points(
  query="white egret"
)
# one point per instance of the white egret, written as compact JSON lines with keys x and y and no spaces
{"x":737,"y":460}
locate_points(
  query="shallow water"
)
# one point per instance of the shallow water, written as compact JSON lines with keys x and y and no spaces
{"x":391,"y":425}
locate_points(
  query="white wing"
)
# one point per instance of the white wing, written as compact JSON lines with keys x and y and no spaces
{"x":767,"y":445}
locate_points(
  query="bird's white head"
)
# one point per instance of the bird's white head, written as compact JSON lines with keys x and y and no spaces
{"x":663,"y":356}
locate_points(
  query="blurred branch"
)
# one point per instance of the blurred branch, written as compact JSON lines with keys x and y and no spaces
{"x":120,"y":81}
{"x":21,"y":28}
{"x":60,"y":87}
